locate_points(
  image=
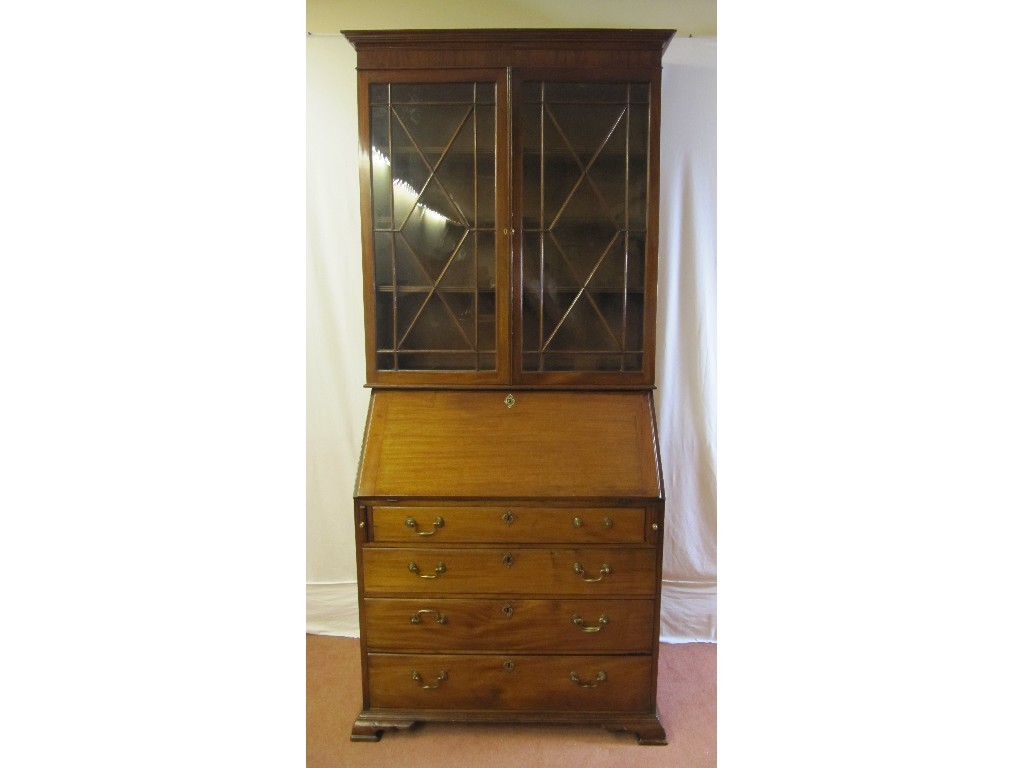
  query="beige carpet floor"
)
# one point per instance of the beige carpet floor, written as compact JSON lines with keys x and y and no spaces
{"x":687,"y":703}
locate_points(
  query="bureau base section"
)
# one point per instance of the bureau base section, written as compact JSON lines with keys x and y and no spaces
{"x":371,"y":723}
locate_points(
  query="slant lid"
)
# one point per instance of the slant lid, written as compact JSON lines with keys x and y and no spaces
{"x":474,"y":444}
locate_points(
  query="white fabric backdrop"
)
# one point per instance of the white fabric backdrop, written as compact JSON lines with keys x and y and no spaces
{"x":685,"y":398}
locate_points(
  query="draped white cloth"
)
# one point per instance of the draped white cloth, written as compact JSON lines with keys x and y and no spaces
{"x":686,"y":373}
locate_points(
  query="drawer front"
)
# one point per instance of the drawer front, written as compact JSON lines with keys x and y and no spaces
{"x":508,"y":524}
{"x":507,"y":626}
{"x":434,"y":570}
{"x":511,"y":683}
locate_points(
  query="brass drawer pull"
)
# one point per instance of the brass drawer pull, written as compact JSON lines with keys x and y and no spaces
{"x":440,"y":679}
{"x":441,"y":618}
{"x":578,"y":569}
{"x":601,"y":621}
{"x":509,"y":517}
{"x":578,"y":522}
{"x":411,"y":523}
{"x":601,"y":677}
{"x":438,"y":570}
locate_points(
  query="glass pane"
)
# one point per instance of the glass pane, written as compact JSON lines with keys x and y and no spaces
{"x":584,"y":226}
{"x":583,"y":326}
{"x":380,"y":167}
{"x":533,"y":119}
{"x":486,"y":331}
{"x":635,"y":322}
{"x":437,"y":361}
{"x":532,"y":294}
{"x":385,"y":328}
{"x":427,"y":321}
{"x":637,"y":261}
{"x":485,"y":262}
{"x":433,"y":173}
{"x":426,"y":246}
{"x":425,"y":93}
{"x":382,"y":253}
{"x":585,"y":93}
{"x":485,"y":151}
{"x":431,"y":127}
{"x":485,"y":93}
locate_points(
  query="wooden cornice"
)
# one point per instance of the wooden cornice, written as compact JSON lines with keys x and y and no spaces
{"x":405,"y":48}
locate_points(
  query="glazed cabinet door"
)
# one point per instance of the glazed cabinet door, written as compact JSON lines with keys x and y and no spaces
{"x":435,"y":179}
{"x":586,"y":178}
{"x":473,"y":277}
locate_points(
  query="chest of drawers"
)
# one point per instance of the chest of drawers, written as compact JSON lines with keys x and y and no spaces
{"x":509,"y":560}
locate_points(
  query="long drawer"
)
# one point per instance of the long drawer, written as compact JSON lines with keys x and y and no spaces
{"x":508,"y":524}
{"x":587,"y":571}
{"x":496,"y":625}
{"x":511,"y":683}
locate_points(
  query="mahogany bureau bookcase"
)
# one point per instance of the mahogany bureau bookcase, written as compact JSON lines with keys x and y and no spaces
{"x":509,"y":503}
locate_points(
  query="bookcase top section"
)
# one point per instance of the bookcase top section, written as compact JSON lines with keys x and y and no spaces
{"x":473,"y":444}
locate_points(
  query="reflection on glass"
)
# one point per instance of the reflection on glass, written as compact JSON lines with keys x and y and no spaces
{"x":584,"y":225}
{"x":433,"y":187}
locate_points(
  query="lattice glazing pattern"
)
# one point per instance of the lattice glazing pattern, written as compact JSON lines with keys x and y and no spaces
{"x":433,"y":177}
{"x":585,"y":166}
